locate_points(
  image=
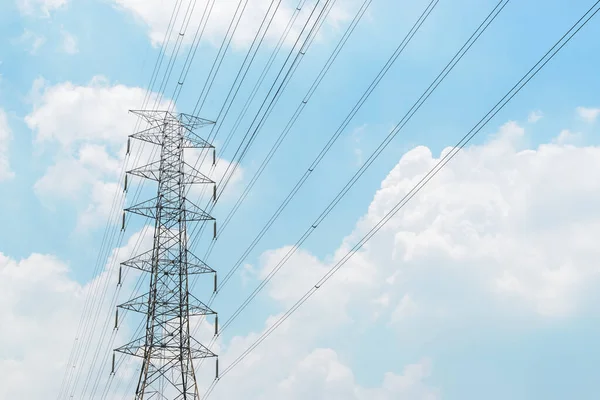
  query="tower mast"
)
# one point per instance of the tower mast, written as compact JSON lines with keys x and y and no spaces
{"x":167,"y":349}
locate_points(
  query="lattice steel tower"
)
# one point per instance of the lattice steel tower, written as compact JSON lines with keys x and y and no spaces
{"x":167,"y":349}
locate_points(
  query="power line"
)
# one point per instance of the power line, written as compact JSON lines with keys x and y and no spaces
{"x":478,"y":32}
{"x":239,"y":79}
{"x":316,"y":26}
{"x":293,"y":119}
{"x":441,"y":163}
{"x":213,"y":77}
{"x":168,"y":71}
{"x":76,"y":348}
{"x":105,"y":391}
{"x":406,"y":40}
{"x":244,"y":146}
{"x":399,"y":49}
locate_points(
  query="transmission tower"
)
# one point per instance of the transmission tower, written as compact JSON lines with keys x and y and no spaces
{"x":167,"y":349}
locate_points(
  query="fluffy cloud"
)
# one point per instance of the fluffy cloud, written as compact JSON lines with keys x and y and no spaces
{"x":40,"y":312}
{"x":41,"y":303}
{"x":156,"y":15}
{"x":502,"y":232}
{"x":70,"y":114}
{"x":321,"y":375}
{"x":42,"y":307}
{"x":85,"y":127}
{"x":5,"y":137}
{"x":506,"y":220}
{"x":588,"y":114}
{"x":500,"y":228}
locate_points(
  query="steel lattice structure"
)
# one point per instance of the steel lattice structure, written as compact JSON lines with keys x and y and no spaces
{"x":167,"y":349}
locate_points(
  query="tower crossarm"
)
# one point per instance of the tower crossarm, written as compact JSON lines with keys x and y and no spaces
{"x":152,"y":171}
{"x":193,"y":264}
{"x":158,"y":120}
{"x":165,"y":351}
{"x":169,"y":307}
{"x":150,"y":209}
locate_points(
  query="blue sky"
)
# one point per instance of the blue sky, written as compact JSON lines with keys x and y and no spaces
{"x":492,"y":350}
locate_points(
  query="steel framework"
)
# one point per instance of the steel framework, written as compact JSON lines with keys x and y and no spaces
{"x":167,"y":349}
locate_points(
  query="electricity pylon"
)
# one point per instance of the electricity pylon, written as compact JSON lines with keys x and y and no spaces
{"x":167,"y":349}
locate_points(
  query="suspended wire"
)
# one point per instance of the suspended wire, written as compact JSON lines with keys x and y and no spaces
{"x":417,"y":188}
{"x":257,"y":41}
{"x":430,"y":7}
{"x":364,"y":97}
{"x":271,"y":104}
{"x":479,"y":31}
{"x":194,"y":47}
{"x":240,"y":76}
{"x":244,"y":146}
{"x":105,"y":357}
{"x":406,"y":40}
{"x":281,"y":40}
{"x":202,"y":158}
{"x":263,"y":74}
{"x":292,"y":120}
{"x":238,"y":20}
{"x":242,"y":72}
{"x":153,"y":80}
{"x":220,"y":56}
{"x":216,"y":65}
{"x":76,"y":348}
{"x":213,"y":78}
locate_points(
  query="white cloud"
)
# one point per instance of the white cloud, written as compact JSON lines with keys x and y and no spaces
{"x":40,"y":7}
{"x":156,"y":15}
{"x":291,"y":366}
{"x":321,"y":375}
{"x":87,"y":181}
{"x":497,"y":224}
{"x":588,"y":114}
{"x":31,"y":40}
{"x":41,"y":303}
{"x":42,"y":307}
{"x":86,"y":128}
{"x":568,"y":137}
{"x":5,"y":138}
{"x":216,"y":173}
{"x":501,"y":232}
{"x":70,"y":114}
{"x":534,"y":116}
{"x":69,"y":43}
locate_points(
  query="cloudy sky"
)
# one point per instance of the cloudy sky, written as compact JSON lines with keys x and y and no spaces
{"x":484,"y":286}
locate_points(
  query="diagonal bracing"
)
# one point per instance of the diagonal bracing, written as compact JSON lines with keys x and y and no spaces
{"x":167,"y":349}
